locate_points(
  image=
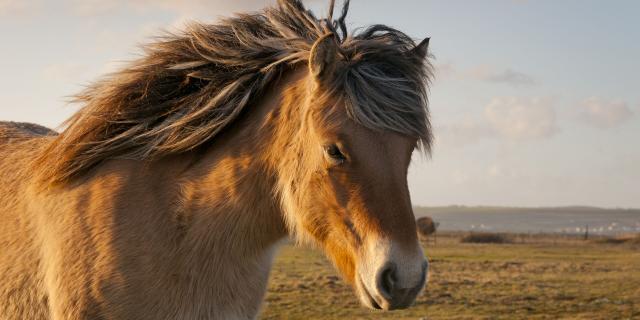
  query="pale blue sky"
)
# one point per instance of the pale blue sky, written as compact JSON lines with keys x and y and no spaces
{"x":535,"y":102}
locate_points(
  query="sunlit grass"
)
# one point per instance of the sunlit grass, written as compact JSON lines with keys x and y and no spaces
{"x":539,"y":279}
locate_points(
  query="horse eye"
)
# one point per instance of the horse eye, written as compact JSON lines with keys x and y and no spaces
{"x":334,"y":153}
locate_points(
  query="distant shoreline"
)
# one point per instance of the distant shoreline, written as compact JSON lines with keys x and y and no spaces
{"x":569,"y":220}
{"x":520,"y":208}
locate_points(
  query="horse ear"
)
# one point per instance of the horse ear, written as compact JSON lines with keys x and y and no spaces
{"x":421,"y":49}
{"x":323,"y":57}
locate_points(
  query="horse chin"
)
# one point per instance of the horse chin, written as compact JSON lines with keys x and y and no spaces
{"x":366,"y":298}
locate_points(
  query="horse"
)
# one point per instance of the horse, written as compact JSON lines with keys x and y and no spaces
{"x":168,"y":193}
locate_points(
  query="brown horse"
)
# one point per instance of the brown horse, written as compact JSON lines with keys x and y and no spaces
{"x":167,"y":194}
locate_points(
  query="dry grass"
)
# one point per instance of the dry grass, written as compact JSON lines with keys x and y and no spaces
{"x":538,"y":277}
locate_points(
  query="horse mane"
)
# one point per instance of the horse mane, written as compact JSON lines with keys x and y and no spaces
{"x":189,"y":87}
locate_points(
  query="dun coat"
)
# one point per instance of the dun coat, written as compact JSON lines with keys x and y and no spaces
{"x":166,"y":195}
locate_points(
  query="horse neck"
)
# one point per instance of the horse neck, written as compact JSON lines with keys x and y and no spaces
{"x":233,"y":189}
{"x":228,"y":194}
{"x":226,"y":210}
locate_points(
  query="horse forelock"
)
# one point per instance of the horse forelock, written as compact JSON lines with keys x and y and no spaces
{"x":191,"y":86}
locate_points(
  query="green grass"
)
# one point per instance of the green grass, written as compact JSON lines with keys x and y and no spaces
{"x":545,"y":279}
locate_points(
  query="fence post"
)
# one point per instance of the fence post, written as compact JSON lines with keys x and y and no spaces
{"x":586,"y":232}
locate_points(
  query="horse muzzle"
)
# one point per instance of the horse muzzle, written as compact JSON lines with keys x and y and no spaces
{"x":391,"y":281}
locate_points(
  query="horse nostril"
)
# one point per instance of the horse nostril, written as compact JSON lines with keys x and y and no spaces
{"x":387,"y":281}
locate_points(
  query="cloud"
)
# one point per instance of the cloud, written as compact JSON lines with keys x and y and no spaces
{"x":521,"y":118}
{"x":65,"y":72}
{"x":511,"y":77}
{"x":506,"y":76}
{"x":502,"y":171}
{"x":510,"y":118}
{"x":459,"y":176}
{"x":180,"y":7}
{"x":604,"y":114}
{"x":494,"y":171}
{"x":468,"y":131}
{"x":9,"y":8}
{"x":485,"y":73}
{"x":204,"y":8}
{"x":92,"y":7}
{"x":444,"y":70}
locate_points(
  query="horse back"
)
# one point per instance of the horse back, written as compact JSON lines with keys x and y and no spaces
{"x":21,"y":283}
{"x":10,"y":131}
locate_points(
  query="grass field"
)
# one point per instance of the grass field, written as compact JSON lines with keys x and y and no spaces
{"x":534,"y":278}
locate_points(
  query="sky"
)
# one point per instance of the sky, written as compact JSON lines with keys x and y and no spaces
{"x":534,"y":103}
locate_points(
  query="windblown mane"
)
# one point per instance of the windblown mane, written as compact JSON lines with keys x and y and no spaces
{"x":189,"y":87}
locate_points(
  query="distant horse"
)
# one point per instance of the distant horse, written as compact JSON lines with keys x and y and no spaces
{"x":426,"y":228}
{"x":167,"y":194}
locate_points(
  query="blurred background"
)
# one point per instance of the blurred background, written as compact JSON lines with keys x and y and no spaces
{"x":536,"y":112}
